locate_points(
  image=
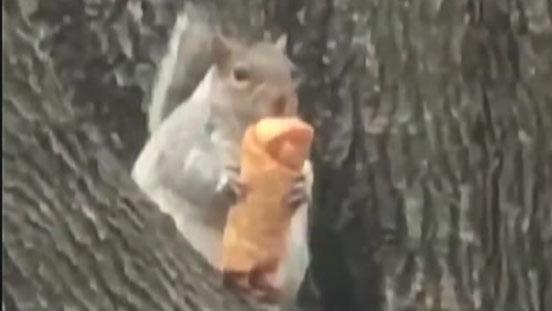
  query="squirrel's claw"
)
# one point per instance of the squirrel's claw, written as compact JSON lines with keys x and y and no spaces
{"x":297,"y":195}
{"x":237,"y":188}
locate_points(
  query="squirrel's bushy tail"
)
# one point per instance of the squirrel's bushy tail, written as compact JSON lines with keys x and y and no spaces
{"x":184,"y":64}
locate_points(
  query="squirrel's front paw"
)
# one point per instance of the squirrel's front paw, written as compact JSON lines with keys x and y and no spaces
{"x":298,"y":194}
{"x":235,"y":186}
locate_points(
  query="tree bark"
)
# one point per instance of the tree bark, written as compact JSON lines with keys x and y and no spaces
{"x":433,"y":156}
{"x":433,"y":161}
{"x":77,"y":232}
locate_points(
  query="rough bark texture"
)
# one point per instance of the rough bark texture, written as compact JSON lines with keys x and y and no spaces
{"x":433,"y":158}
{"x":77,"y":233}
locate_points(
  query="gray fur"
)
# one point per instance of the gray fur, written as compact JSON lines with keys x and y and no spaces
{"x":181,"y":167}
{"x":184,"y":65}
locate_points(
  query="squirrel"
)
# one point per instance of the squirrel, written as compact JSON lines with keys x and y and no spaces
{"x":190,"y":164}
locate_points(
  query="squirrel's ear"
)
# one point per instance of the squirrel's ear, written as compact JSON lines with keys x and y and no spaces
{"x":220,"y":50}
{"x":281,"y":43}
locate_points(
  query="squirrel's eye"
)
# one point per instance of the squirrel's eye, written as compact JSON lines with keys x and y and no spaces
{"x":241,"y":74}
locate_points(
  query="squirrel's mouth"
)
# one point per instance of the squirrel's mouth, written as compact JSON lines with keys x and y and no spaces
{"x":284,"y":106}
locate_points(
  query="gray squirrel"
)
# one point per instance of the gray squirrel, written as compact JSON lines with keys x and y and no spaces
{"x":189,"y":165}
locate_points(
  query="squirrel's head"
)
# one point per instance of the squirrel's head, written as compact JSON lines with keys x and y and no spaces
{"x":253,"y":81}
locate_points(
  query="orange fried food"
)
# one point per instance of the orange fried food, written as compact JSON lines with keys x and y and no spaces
{"x":273,"y":153}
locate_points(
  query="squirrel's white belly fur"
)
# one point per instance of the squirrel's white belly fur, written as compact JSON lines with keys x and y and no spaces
{"x":187,"y":217}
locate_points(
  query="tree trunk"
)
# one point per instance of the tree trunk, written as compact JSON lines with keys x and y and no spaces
{"x":433,"y":163}
{"x":77,"y":232}
{"x":433,"y":156}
